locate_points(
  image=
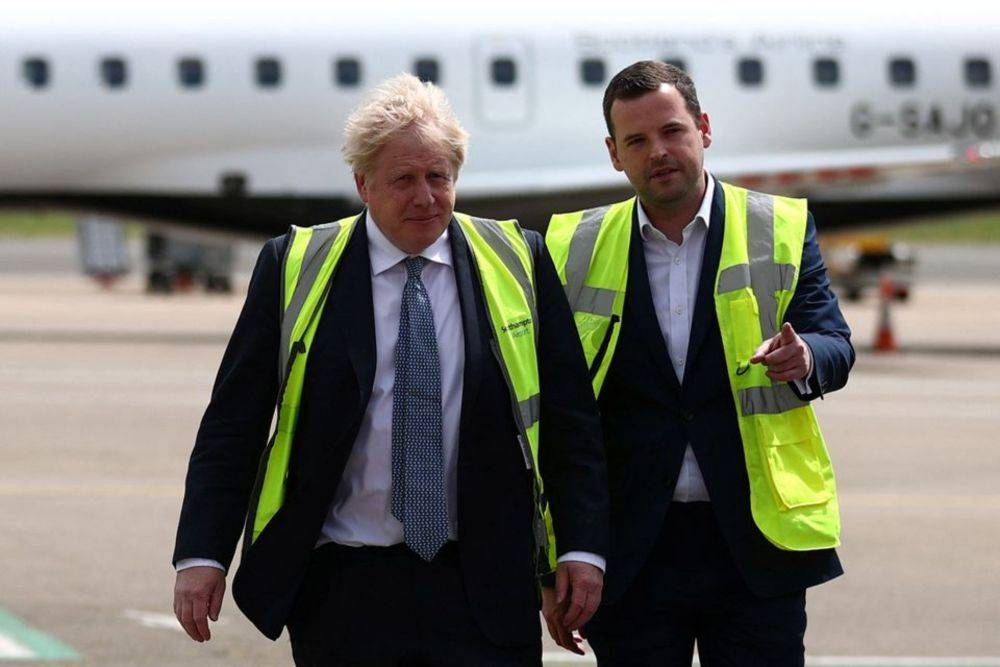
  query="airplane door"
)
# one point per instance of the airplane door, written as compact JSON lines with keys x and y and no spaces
{"x":503,"y":81}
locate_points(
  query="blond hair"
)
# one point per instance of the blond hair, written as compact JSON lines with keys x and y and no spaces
{"x":395,"y":105}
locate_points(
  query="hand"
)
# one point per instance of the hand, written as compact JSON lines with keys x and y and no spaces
{"x":578,"y":586}
{"x":553,"y":613}
{"x":198,"y":595}
{"x":786,"y":356}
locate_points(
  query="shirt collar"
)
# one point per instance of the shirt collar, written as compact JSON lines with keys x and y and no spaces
{"x":384,"y":255}
{"x":704,"y":213}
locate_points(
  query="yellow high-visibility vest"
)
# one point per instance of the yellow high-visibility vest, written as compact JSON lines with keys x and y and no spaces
{"x":506,"y":271}
{"x":793,"y":495}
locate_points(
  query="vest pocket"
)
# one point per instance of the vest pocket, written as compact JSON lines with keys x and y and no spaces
{"x":745,"y":339}
{"x":794,"y":458}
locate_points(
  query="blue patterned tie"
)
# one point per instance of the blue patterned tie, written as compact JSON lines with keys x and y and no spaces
{"x":418,"y":498}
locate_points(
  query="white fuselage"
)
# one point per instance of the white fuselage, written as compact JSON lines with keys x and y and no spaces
{"x":543,"y":133}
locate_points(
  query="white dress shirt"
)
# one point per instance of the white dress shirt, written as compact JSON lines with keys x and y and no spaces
{"x":360,"y":514}
{"x":674,"y":271}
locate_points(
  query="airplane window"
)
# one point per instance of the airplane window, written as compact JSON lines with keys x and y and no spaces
{"x":751,"y":71}
{"x":36,"y":72}
{"x":676,"y":62}
{"x":504,"y":71}
{"x":902,"y":72}
{"x":826,"y":71}
{"x":978,"y":73}
{"x":268,"y":72}
{"x":592,"y":71}
{"x":191,"y":72}
{"x":426,"y":69}
{"x":347,"y":71}
{"x":114,"y":72}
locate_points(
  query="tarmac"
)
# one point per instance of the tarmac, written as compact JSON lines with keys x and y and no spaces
{"x":101,"y":392}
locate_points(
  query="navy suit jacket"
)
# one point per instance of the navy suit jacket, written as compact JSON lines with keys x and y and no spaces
{"x":494,"y":487}
{"x":649,"y":418}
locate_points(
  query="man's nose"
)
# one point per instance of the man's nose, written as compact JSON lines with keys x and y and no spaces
{"x":424,"y":194}
{"x":658,"y":149}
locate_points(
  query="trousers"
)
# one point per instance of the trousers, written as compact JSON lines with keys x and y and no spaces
{"x":690,"y":592}
{"x":385,"y":606}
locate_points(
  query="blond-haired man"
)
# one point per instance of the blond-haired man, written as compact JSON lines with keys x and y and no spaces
{"x":398,"y":513}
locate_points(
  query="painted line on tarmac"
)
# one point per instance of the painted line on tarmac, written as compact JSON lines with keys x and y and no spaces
{"x":20,"y":641}
{"x":924,"y":501}
{"x":900,"y":661}
{"x":152,"y":619}
{"x":159,"y":620}
{"x":11,"y":650}
{"x":557,"y":659}
{"x":958,"y":349}
{"x":856,"y":499}
{"x":100,"y":337}
{"x":103,"y":490}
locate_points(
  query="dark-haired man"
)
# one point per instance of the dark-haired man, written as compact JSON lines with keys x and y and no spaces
{"x":706,"y":317}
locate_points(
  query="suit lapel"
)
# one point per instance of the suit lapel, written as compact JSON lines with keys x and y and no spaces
{"x":349,"y":311}
{"x":468,"y":298}
{"x":640,"y":312}
{"x":704,"y":305}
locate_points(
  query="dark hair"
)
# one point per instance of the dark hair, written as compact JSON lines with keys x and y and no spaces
{"x":644,"y":77}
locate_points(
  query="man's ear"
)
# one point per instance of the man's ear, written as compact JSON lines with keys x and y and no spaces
{"x":359,"y":183}
{"x":613,"y":153}
{"x":706,"y":131}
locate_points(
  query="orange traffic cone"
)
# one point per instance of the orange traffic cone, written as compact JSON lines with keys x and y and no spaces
{"x":885,"y":341}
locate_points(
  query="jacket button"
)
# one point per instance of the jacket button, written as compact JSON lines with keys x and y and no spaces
{"x":688,"y":416}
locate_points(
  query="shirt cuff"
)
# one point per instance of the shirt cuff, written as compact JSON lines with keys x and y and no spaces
{"x":185,"y":563}
{"x":584,"y":557}
{"x":803,"y":384}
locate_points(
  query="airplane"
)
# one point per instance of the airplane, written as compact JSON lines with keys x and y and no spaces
{"x":229,"y":116}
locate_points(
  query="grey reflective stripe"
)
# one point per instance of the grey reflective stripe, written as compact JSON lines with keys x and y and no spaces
{"x":518,"y":408}
{"x":542,"y":541}
{"x":738,"y":276}
{"x":768,"y":400}
{"x":766,"y":277}
{"x":581,"y":250}
{"x":531,"y":410}
{"x":283,"y":343}
{"x":596,"y":300}
{"x":734,"y":278}
{"x":495,"y":237}
{"x":760,"y":249}
{"x":312,"y":261}
{"x":786,"y":276}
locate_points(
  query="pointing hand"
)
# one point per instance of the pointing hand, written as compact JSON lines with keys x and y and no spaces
{"x":786,"y":356}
